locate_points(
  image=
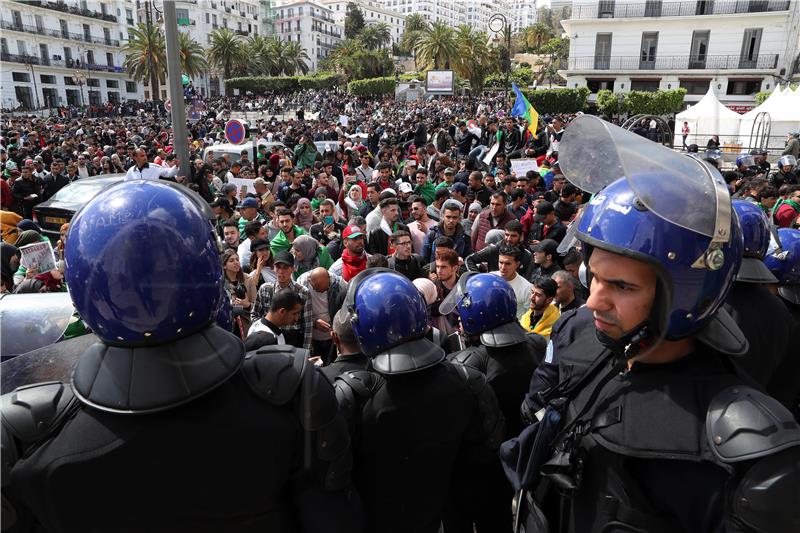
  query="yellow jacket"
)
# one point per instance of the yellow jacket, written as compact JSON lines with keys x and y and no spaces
{"x":545,"y":324}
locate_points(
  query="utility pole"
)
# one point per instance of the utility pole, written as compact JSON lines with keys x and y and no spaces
{"x":154,"y":82}
{"x":174,"y":75}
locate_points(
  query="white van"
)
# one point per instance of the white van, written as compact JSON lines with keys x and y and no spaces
{"x":234,"y":151}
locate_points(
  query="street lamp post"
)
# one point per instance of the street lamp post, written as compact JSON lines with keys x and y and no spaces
{"x":80,"y":77}
{"x":499,"y":23}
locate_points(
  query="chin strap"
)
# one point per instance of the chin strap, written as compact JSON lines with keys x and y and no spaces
{"x":632,"y":343}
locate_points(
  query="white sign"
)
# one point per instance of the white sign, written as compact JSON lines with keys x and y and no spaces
{"x":243,"y":185}
{"x":490,"y":154}
{"x":344,"y":120}
{"x":520,"y":166}
{"x":38,"y":255}
{"x":440,"y":82}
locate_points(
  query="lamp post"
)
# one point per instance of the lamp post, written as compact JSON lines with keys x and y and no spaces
{"x":499,"y":23}
{"x":80,"y":78}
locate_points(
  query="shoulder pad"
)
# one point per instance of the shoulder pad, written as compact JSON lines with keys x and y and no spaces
{"x":28,"y":415}
{"x":743,"y":423}
{"x":274,"y":372}
{"x":474,"y":356}
{"x":362,"y":382}
{"x":317,"y":405}
{"x":475,"y":379}
{"x":766,"y":497}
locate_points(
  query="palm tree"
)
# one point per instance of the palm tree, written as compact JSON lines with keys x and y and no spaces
{"x":294,"y":59}
{"x":436,"y":47}
{"x":533,"y":37}
{"x":226,"y":52}
{"x":475,"y":59}
{"x":193,"y":61}
{"x":376,"y":35}
{"x":261,"y":60}
{"x":415,"y":26}
{"x":146,"y":56}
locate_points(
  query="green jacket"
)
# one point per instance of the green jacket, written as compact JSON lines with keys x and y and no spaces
{"x":305,"y":155}
{"x":427,"y":191}
{"x":243,"y":221}
{"x":281,"y":244}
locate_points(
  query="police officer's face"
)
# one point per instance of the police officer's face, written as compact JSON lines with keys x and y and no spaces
{"x":622,"y":292}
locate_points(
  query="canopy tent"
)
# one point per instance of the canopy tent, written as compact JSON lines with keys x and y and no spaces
{"x":706,"y":118}
{"x":781,"y":111}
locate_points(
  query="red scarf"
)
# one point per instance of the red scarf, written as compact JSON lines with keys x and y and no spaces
{"x":352,"y":265}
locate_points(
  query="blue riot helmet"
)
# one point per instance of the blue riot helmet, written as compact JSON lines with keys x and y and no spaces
{"x":657,"y":206}
{"x":756,"y":235}
{"x":143,"y":267}
{"x":225,"y":312}
{"x":787,"y":161}
{"x":487,"y":306}
{"x":745,"y":160}
{"x":784,"y":263}
{"x":143,"y":264}
{"x":389,"y":318}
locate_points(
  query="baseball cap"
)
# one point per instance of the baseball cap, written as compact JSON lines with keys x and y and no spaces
{"x":387,"y":193}
{"x":284,"y":257}
{"x":449,"y":170}
{"x":406,"y":187}
{"x":258,"y":244}
{"x":411,"y":163}
{"x":548,"y":246}
{"x":248,"y":202}
{"x":459,"y":188}
{"x":542,"y":210}
{"x":352,"y":232}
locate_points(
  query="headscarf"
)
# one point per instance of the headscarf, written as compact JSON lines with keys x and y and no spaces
{"x":7,"y":251}
{"x":353,"y":204}
{"x":26,"y":224}
{"x":27,"y":237}
{"x":427,"y":288}
{"x":304,"y":221}
{"x":308,"y":246}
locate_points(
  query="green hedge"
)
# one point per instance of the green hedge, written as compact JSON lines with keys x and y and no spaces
{"x":261,"y":84}
{"x":371,"y":86}
{"x":556,"y":100}
{"x":654,"y":103}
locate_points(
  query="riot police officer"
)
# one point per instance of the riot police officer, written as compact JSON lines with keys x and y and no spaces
{"x":507,"y":356}
{"x":166,"y":423}
{"x":760,"y":315}
{"x":786,"y":173}
{"x":656,"y":430}
{"x":415,"y":417}
{"x":783,"y":261}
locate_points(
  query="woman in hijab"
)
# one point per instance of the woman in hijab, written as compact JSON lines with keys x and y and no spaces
{"x":29,"y":236}
{"x":309,"y":254}
{"x":303,"y":216}
{"x":353,"y":202}
{"x":9,"y":262}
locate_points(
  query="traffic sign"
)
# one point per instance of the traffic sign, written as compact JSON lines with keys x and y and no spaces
{"x":235,"y":131}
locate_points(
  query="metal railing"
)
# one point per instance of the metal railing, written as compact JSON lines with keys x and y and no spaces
{"x":64,"y":63}
{"x":74,"y":10}
{"x":26,"y":28}
{"x":708,"y":62}
{"x":611,"y":9}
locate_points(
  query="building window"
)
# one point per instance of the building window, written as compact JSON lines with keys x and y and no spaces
{"x":20,"y":76}
{"x":699,"y":49}
{"x":602,"y":51}
{"x":645,"y":85}
{"x":69,"y":81}
{"x":696,"y":86}
{"x":112,"y":84}
{"x":743,"y":87}
{"x":48,"y":78}
{"x":130,"y":86}
{"x":208,"y":18}
{"x":597,"y":85}
{"x":751,"y":42}
{"x":92,"y":82}
{"x":647,"y":56}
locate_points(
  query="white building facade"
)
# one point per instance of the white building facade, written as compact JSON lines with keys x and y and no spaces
{"x":312,"y":25}
{"x":66,"y":53}
{"x":373,"y":12}
{"x":523,"y":14}
{"x":738,"y":47}
{"x":450,"y":12}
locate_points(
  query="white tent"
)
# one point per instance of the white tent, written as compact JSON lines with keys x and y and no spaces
{"x":781,"y":111}
{"x":706,"y":118}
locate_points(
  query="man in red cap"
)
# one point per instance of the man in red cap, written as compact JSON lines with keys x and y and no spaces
{"x":354,"y":258}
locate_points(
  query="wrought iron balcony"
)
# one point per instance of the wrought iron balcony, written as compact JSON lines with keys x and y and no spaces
{"x":74,"y":10}
{"x":63,"y":63}
{"x":707,"y":62}
{"x":612,"y":9}
{"x":25,"y":28}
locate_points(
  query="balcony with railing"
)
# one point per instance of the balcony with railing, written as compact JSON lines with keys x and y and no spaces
{"x":73,"y":10}
{"x":681,"y":63}
{"x":63,"y":63}
{"x":25,"y":28}
{"x":612,"y":9}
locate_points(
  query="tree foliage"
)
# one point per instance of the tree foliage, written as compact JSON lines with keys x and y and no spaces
{"x":262,"y":84}
{"x":376,"y":36}
{"x":437,"y":47}
{"x":556,"y":100}
{"x":653,"y":103}
{"x":353,"y":21}
{"x":146,"y":56}
{"x":474,"y":61}
{"x":226,"y":52}
{"x":607,"y":103}
{"x":352,"y":59}
{"x":416,"y":25}
{"x":193,"y":61}
{"x":371,"y":87}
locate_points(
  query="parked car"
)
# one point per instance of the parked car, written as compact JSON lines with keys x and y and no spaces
{"x":234,"y":151}
{"x":60,"y":209}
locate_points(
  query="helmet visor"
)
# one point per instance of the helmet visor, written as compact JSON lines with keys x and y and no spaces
{"x":787,"y":161}
{"x":31,"y":321}
{"x":682,"y":190}
{"x":456,"y":295}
